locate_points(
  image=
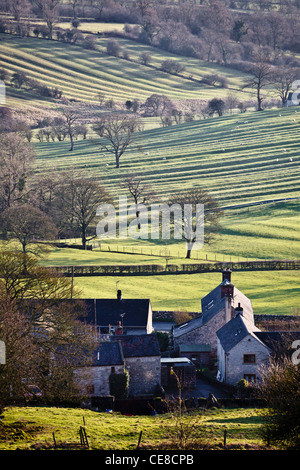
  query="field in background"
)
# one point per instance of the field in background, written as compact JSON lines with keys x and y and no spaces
{"x":238,"y":159}
{"x":81,"y":73}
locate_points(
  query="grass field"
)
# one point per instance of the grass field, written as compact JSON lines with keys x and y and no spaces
{"x":81,"y":73}
{"x":256,"y":158}
{"x":117,"y":432}
{"x":238,"y":158}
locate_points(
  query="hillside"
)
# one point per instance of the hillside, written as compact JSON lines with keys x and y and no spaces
{"x":239,"y":159}
{"x":81,"y":73}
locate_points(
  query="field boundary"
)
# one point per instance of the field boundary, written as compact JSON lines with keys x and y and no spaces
{"x":171,"y":269}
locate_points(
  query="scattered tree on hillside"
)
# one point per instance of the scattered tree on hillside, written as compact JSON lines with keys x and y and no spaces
{"x":71,"y":116}
{"x":116,"y":133}
{"x":216,"y":105}
{"x":76,"y":204}
{"x":140,"y":192}
{"x":192,"y":222}
{"x":48,"y":9}
{"x":16,"y":159}
{"x":28,"y":225}
{"x":282,"y":80}
{"x":260,"y":77}
{"x":159,"y":105}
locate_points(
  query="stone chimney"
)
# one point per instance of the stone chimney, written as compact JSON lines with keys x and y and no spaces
{"x":227,"y":289}
{"x":119,"y":295}
{"x":119,"y":329}
{"x":238,"y":310}
{"x":226,"y":274}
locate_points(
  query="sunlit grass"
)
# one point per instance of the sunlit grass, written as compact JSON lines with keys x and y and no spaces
{"x":118,"y":432}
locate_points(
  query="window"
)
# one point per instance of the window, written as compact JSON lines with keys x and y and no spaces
{"x":251,"y":378}
{"x":249,"y":359}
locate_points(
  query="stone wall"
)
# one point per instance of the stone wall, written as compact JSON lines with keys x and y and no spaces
{"x":98,"y":377}
{"x":144,"y":374}
{"x":206,"y":334}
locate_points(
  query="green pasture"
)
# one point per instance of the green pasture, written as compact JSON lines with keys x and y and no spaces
{"x":81,"y":73}
{"x":29,"y":428}
{"x":264,"y":232}
{"x":271,"y":292}
{"x":238,"y":159}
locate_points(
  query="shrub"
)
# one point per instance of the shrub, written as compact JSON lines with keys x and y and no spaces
{"x":113,"y":48}
{"x":172,"y":66}
{"x":119,"y":385}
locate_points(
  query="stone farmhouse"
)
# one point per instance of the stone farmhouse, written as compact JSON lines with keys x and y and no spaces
{"x":225,"y":334}
{"x":138,"y":354}
{"x":218,"y":307}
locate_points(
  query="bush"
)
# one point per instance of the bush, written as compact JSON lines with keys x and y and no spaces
{"x":119,"y":385}
{"x":113,"y":48}
{"x":172,"y":66}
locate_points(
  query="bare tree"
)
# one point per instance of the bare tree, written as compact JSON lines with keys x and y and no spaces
{"x":49,"y":12}
{"x":71,"y":117}
{"x":157,"y":105}
{"x":28,"y":225}
{"x":260,"y":77}
{"x":41,"y":328}
{"x":16,"y":159}
{"x":76,"y":201}
{"x":190,"y":223}
{"x":139,"y":191}
{"x":116,"y":133}
{"x":283,"y":79}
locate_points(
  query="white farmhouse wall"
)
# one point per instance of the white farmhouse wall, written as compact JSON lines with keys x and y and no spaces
{"x":231,"y":365}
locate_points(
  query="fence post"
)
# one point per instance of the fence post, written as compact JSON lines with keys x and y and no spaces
{"x":225,"y":437}
{"x":140,"y":437}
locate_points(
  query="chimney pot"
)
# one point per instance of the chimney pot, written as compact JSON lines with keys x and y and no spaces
{"x":239,"y":310}
{"x":226,"y":274}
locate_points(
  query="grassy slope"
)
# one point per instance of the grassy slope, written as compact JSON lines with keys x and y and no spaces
{"x":81,"y":73}
{"x":235,"y":161}
{"x":116,"y":432}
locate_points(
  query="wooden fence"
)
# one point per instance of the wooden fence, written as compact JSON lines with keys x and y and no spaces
{"x":188,"y":268}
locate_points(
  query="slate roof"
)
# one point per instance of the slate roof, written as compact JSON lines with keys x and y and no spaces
{"x":139,"y":345}
{"x":212,"y":303}
{"x":278,"y":339}
{"x":108,"y":354}
{"x":108,"y":312}
{"x":235,"y":330}
{"x":117,"y":348}
{"x":188,"y":326}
